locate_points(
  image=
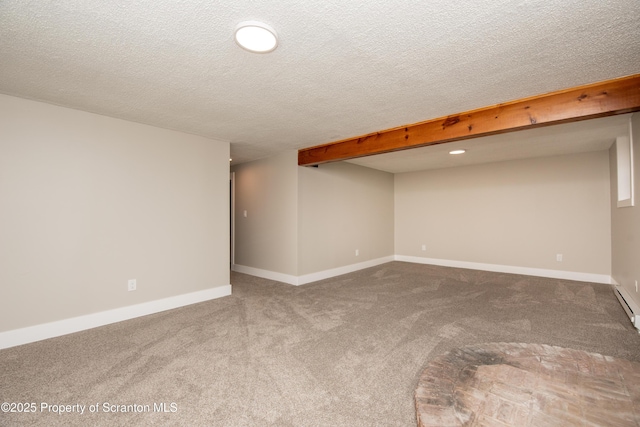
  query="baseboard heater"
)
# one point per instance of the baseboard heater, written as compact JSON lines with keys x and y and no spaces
{"x":630,"y":307}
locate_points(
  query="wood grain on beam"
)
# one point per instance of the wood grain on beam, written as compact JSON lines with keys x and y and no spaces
{"x":602,"y":99}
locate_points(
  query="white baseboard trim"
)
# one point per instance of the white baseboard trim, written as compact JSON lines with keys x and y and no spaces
{"x":311,"y":277}
{"x":75,"y":324}
{"x":266,"y":274}
{"x":540,"y":272}
{"x":326,"y":274}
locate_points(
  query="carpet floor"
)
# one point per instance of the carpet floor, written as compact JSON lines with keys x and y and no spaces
{"x":346,"y":351}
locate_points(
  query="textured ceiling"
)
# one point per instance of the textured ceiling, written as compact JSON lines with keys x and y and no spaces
{"x":341,"y":69}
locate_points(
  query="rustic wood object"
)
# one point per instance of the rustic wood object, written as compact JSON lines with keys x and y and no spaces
{"x":618,"y":96}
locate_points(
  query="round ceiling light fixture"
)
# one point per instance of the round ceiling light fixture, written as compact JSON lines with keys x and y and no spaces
{"x":457,"y":152}
{"x":256,"y":37}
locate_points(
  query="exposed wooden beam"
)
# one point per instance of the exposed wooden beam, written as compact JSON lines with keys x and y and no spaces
{"x":618,"y":96}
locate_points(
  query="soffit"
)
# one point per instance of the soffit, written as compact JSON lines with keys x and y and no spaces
{"x":589,"y":135}
{"x":341,"y":69}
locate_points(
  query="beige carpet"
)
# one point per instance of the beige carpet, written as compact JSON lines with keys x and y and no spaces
{"x":347,"y":351}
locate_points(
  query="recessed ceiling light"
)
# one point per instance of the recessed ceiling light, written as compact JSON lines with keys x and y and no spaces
{"x":457,"y":151}
{"x":256,"y":37}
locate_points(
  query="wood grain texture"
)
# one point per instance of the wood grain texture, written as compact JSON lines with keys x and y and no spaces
{"x":618,"y":96}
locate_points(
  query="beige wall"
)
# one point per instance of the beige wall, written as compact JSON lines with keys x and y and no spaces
{"x":518,"y":213}
{"x":625,"y":223}
{"x":343,"y":207}
{"x":88,"y":202}
{"x":308,"y":220}
{"x":268,"y":190}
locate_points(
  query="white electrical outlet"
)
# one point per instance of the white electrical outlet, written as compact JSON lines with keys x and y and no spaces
{"x":357,"y":252}
{"x":132,"y":284}
{"x":424,"y":247}
{"x":244,"y":213}
{"x":559,"y":257}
